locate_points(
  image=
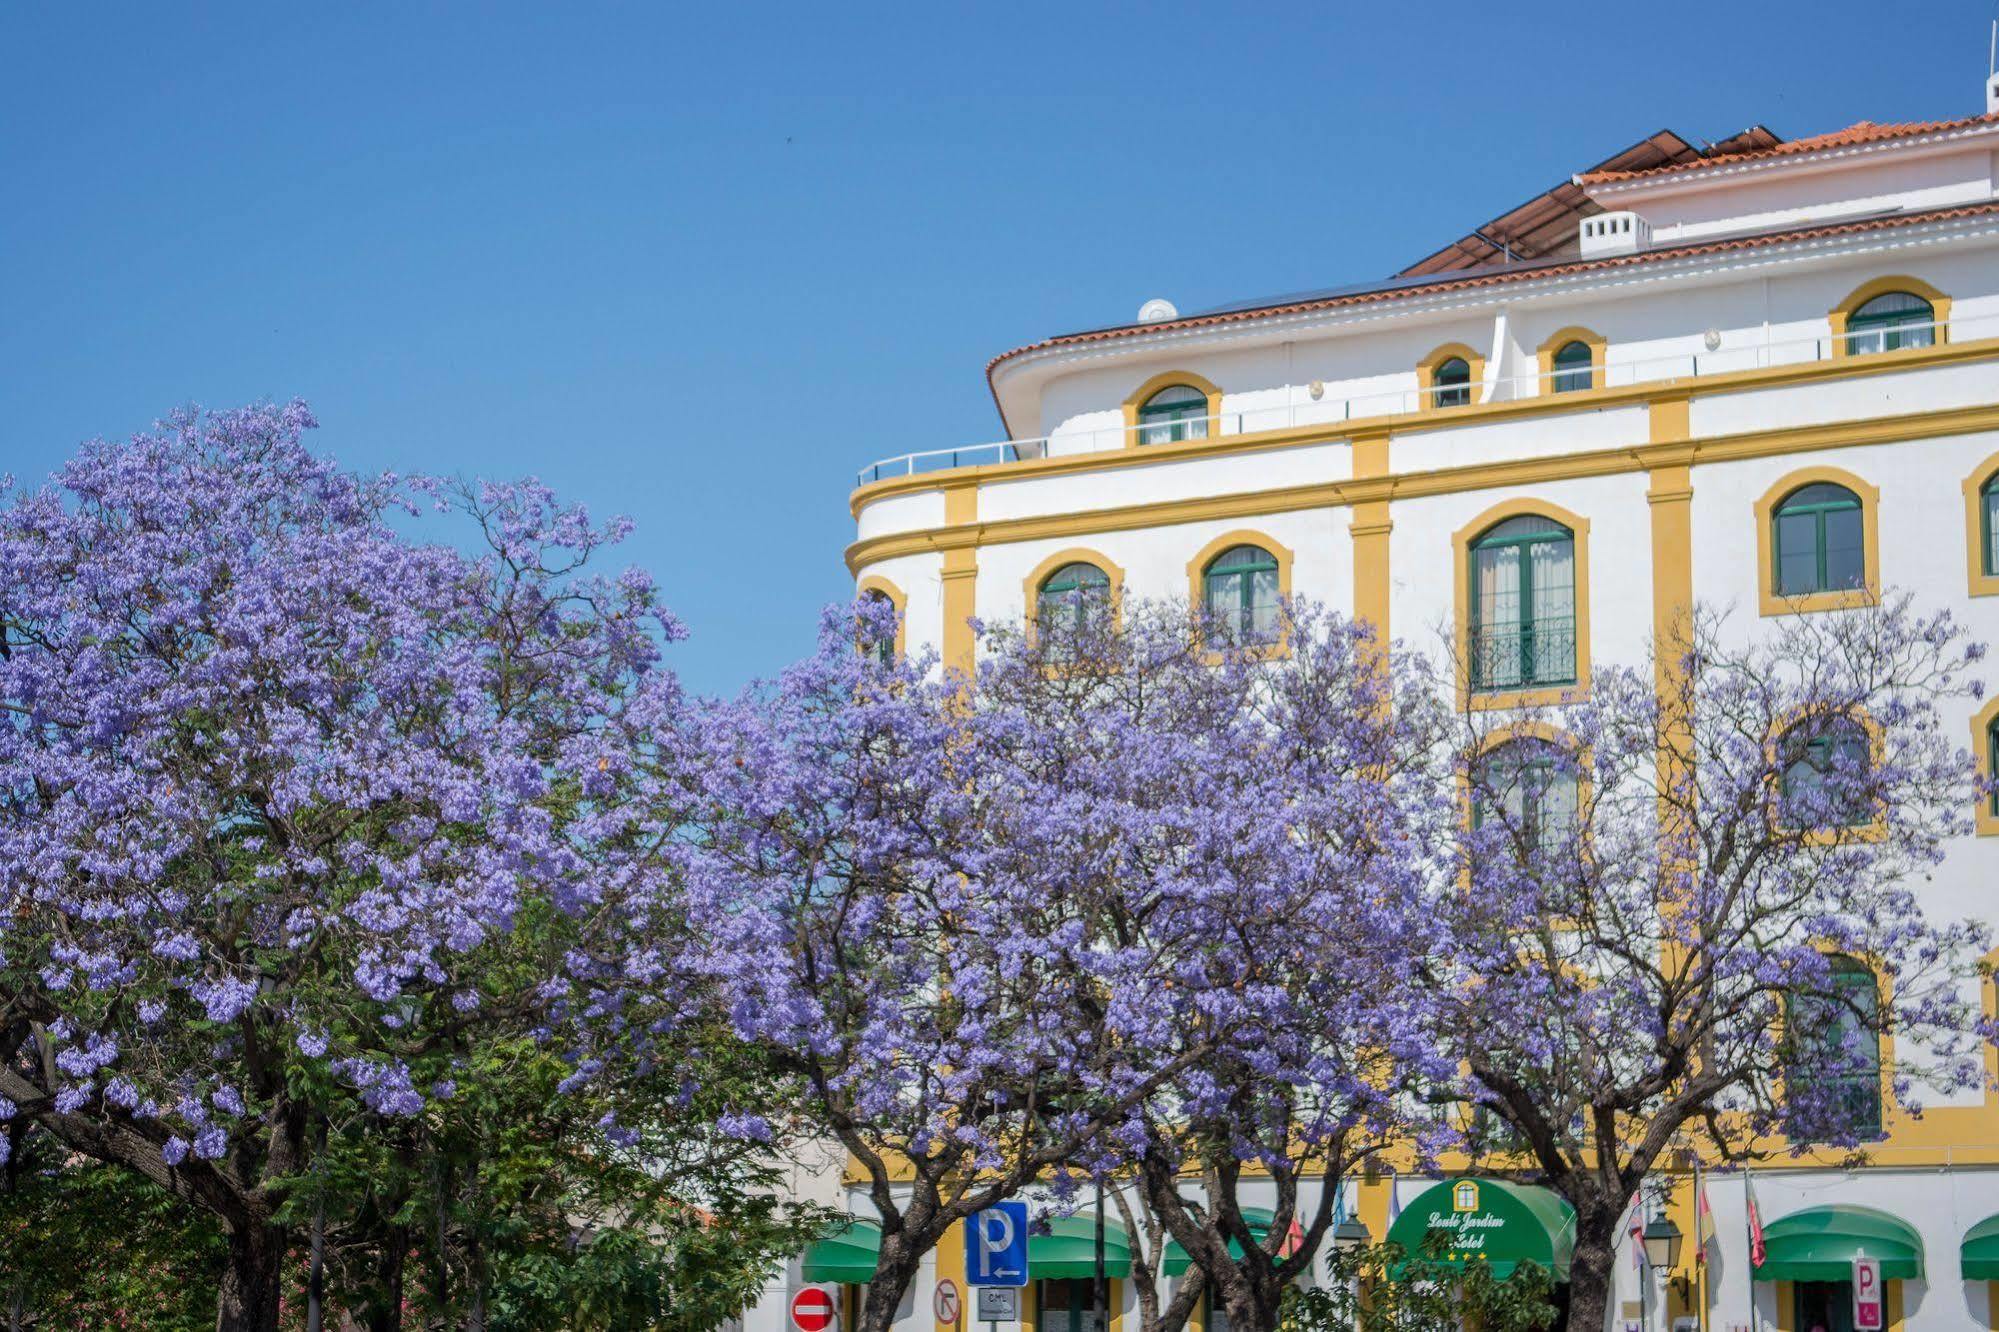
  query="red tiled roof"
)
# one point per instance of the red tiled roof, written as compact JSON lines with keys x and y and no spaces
{"x":1865,"y":131}
{"x":1504,"y":277}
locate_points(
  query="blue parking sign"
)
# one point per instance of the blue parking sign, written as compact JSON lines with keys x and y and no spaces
{"x":996,"y":1246}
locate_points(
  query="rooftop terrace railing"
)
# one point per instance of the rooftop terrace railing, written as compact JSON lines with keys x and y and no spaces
{"x":1331,"y":410}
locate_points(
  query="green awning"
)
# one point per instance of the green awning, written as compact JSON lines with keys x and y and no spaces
{"x":845,"y":1253}
{"x":1980,"y":1251}
{"x":1069,"y":1249}
{"x":1820,"y":1244}
{"x":1504,"y":1223}
{"x":1176,"y":1260}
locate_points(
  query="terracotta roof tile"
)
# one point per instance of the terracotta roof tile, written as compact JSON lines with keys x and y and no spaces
{"x":1504,"y":277}
{"x":1865,"y":131}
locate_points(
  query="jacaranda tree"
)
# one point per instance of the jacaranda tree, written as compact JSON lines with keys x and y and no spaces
{"x":1262,"y":815}
{"x":878,"y":883}
{"x":1691,"y":910}
{"x":273,"y":766}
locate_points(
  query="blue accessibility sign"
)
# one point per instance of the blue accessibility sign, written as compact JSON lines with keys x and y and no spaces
{"x":996,"y":1246}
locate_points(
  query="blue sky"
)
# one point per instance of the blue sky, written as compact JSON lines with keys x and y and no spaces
{"x":697,"y":264}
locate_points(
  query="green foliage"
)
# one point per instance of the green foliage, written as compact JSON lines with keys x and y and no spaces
{"x":1425,"y":1295}
{"x":84,"y":1245}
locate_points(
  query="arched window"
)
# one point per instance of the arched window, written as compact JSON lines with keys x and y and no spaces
{"x":1575,"y":368}
{"x":1988,"y":525}
{"x":1071,"y":597}
{"x":1239,"y":592}
{"x":1992,"y":766}
{"x":1892,"y":320}
{"x":1819,"y":540}
{"x":1176,"y":412}
{"x":1529,"y":787}
{"x":1833,"y":1074}
{"x":1827,"y":774}
{"x":1450,"y":383}
{"x":883,"y":645}
{"x":1523,"y":605}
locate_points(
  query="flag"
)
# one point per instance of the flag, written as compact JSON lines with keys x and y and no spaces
{"x":1703,"y":1216}
{"x":1634,"y":1211}
{"x":1756,"y":1249}
{"x":1394,"y":1200}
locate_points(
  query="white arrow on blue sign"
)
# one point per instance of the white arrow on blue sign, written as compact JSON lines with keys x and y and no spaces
{"x":996,"y":1246}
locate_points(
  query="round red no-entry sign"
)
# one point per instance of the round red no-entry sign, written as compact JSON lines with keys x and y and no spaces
{"x":812,"y":1309}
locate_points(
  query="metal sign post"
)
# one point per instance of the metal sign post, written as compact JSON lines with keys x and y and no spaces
{"x":996,"y":1261}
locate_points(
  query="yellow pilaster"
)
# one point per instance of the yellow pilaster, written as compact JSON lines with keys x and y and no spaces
{"x":1369,"y":527}
{"x":951,"y":1266}
{"x":960,"y":577}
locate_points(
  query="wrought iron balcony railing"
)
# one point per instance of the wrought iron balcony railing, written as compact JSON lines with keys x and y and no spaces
{"x":1523,"y":654}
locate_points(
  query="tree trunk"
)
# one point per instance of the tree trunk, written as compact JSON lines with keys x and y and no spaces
{"x":249,"y":1295}
{"x":315,"y":1274}
{"x":894,"y":1270}
{"x":1590,"y":1271}
{"x":1252,"y":1305}
{"x":387,"y":1314}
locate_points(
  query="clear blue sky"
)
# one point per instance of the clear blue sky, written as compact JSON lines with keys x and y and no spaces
{"x":697,"y":264}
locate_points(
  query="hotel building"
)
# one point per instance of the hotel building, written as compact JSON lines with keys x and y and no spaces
{"x":1760,"y":373}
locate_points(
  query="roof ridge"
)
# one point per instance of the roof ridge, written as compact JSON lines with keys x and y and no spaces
{"x":1861,"y":131}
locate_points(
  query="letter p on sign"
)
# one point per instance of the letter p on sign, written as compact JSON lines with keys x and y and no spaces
{"x":1867,"y":1311}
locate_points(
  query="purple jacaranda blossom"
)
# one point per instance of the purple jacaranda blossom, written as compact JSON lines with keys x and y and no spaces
{"x":291,"y":745}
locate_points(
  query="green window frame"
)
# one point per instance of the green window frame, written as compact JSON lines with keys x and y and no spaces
{"x":883,"y":649}
{"x":1240,"y":591}
{"x":1176,"y":412}
{"x":1450,"y":383}
{"x":1992,"y":765}
{"x":1527,"y":783}
{"x":1818,"y":541}
{"x":1823,"y":1026}
{"x":1889,"y":322}
{"x":1523,"y":605}
{"x":1069,"y":1304}
{"x":1831,"y":752}
{"x":1067,"y":599}
{"x":1988,"y":525}
{"x":1575,"y":368}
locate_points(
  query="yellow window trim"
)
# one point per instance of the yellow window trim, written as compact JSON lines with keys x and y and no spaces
{"x":1868,"y":594}
{"x":1171,"y":379}
{"x":1548,"y":733}
{"x":876,"y":583}
{"x":1877,"y":754}
{"x":1981,"y":752}
{"x":1197,"y":569}
{"x":1461,"y":540}
{"x":1980,"y":583}
{"x":1544,"y":358}
{"x":1892,"y":1114}
{"x":1031,"y":585}
{"x":1838,"y":316}
{"x":1426,"y":377}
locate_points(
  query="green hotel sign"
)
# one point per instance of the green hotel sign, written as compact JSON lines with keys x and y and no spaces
{"x":1505,"y":1224}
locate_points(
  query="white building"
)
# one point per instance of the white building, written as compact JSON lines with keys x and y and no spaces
{"x":1714,"y":374}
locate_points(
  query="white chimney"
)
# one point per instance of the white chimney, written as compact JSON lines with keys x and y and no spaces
{"x":1991,"y":93}
{"x":1615,"y":233}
